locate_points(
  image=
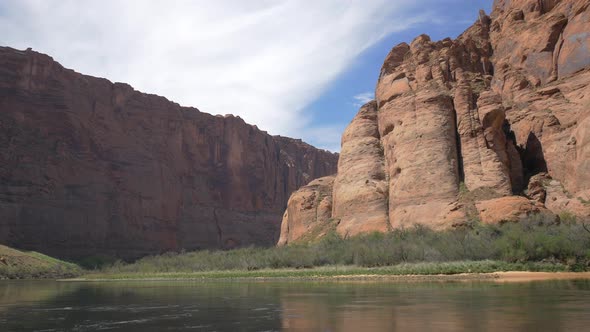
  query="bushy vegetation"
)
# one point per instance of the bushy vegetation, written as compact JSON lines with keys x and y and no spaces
{"x":565,"y":245}
{"x":59,"y":271}
{"x":536,"y":244}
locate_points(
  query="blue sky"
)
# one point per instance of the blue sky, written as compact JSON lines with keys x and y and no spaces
{"x":336,"y":107}
{"x":297,"y":68}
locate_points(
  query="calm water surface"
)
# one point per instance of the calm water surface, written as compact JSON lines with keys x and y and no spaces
{"x":294,"y":306}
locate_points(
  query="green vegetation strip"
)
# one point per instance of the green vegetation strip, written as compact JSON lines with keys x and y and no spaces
{"x":479,"y":248}
{"x":536,"y":244}
{"x":405,"y":269}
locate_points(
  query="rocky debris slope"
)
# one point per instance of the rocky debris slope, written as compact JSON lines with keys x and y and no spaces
{"x":90,"y":167}
{"x":494,"y":126}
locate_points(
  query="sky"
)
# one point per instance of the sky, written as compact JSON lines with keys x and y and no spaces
{"x":298,"y":68}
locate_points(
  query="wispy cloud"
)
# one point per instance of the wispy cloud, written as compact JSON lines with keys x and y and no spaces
{"x":263,"y":60}
{"x":363,"y":98}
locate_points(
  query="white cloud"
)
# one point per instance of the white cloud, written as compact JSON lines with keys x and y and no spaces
{"x":363,"y":98}
{"x":263,"y":60}
{"x":326,"y":137}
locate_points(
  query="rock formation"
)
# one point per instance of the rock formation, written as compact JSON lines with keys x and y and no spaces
{"x":494,"y":126}
{"x":311,"y":210}
{"x":360,"y":188}
{"x":90,"y":167}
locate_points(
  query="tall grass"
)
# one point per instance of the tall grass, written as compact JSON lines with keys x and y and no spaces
{"x":534,"y":240}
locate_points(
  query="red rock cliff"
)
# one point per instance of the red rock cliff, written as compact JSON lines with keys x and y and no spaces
{"x":494,"y":126}
{"x":89,"y":167}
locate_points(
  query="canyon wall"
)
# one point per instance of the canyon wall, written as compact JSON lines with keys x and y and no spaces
{"x":90,"y":167}
{"x":492,"y":126}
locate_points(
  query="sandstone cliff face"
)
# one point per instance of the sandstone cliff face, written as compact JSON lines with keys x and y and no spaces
{"x":360,"y":188}
{"x":89,"y":167}
{"x":494,"y":125}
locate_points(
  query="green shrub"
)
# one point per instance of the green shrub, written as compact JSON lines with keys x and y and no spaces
{"x":96,"y":261}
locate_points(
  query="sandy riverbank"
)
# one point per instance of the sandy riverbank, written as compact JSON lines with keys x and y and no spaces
{"x":511,"y":276}
{"x":523,"y":276}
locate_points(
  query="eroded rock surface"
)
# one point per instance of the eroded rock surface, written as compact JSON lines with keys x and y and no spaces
{"x":309,"y":211}
{"x":504,"y":110}
{"x":509,"y":209}
{"x":90,"y":167}
{"x":360,"y":188}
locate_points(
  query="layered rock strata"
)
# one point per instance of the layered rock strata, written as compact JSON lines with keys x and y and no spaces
{"x":89,"y":167}
{"x":494,"y":125}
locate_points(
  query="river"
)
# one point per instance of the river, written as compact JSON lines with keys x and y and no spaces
{"x":294,"y":306}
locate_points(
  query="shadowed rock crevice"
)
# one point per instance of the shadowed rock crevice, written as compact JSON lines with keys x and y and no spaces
{"x":517,"y":172}
{"x":460,"y":166}
{"x":219,"y":232}
{"x":533,"y":158}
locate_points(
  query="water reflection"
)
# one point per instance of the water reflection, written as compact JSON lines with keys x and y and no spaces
{"x":294,"y":306}
{"x":546,"y":306}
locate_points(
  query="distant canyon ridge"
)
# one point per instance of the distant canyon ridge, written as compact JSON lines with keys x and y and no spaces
{"x":89,"y":167}
{"x":491,"y":127}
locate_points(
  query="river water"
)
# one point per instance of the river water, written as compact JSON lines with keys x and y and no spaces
{"x":294,"y":306}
